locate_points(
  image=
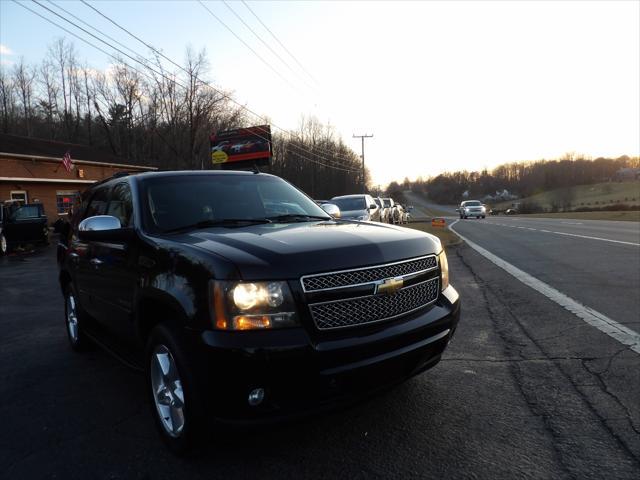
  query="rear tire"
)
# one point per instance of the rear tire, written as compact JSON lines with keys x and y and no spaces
{"x":176,"y":400}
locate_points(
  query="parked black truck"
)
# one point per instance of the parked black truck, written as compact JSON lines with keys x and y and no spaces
{"x":22,"y":224}
{"x":243,"y":301}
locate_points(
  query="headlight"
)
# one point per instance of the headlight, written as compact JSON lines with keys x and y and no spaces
{"x":444,"y":270}
{"x":252,"y":305}
{"x":363,"y":218}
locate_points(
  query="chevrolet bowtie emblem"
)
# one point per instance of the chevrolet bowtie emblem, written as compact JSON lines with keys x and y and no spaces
{"x":389,"y":286}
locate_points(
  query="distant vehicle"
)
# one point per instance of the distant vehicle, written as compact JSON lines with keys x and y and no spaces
{"x":393,"y":211}
{"x":472,"y":208}
{"x":357,"y":207}
{"x":403,"y":215}
{"x":511,"y":211}
{"x":384,"y":211}
{"x":22,"y":224}
{"x":391,"y":206}
{"x":407,"y":214}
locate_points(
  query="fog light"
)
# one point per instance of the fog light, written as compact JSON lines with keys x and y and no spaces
{"x":256,"y":396}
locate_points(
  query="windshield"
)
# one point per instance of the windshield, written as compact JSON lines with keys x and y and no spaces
{"x":471,"y":203}
{"x":350,"y":203}
{"x":378,"y":202}
{"x":184,"y":200}
{"x":27,"y":211}
{"x":387,"y":202}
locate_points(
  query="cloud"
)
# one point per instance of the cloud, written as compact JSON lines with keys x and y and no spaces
{"x":4,"y":50}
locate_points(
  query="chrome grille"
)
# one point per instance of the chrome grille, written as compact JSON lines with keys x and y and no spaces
{"x":362,"y":310}
{"x":346,"y":278}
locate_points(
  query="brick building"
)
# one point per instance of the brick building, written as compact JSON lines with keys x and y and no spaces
{"x":31,"y":170}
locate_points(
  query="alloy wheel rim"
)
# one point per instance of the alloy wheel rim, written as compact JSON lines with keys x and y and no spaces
{"x":72,"y":318}
{"x":167,"y":391}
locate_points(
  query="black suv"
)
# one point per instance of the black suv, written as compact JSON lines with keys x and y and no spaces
{"x":243,"y":301}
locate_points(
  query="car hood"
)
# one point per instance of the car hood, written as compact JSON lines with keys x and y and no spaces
{"x":287,"y":251}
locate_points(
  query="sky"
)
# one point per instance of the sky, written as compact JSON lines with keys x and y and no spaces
{"x":442,"y":86}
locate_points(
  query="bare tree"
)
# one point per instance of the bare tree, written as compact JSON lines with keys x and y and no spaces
{"x":23,"y":79}
{"x":7,"y":101}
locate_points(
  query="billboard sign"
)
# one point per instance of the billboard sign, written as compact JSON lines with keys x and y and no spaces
{"x":241,"y":147}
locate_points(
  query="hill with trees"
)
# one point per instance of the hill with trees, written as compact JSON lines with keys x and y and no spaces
{"x":160,"y":117}
{"x":523,"y":179}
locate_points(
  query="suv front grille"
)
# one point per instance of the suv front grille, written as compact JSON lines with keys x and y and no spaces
{"x":375,"y":308}
{"x":347,"y":278}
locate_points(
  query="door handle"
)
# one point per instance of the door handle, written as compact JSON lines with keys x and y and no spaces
{"x":96,"y":262}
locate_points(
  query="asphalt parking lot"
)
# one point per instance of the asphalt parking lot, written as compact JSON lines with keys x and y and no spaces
{"x":525,"y":390}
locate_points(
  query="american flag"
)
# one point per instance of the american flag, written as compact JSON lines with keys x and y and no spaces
{"x":66,"y":161}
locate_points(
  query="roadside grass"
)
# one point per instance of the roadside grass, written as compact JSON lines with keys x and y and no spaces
{"x":446,"y":236}
{"x":625,"y":216}
{"x":581,"y":196}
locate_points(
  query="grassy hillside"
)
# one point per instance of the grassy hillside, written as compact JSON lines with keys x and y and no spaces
{"x":596,"y":196}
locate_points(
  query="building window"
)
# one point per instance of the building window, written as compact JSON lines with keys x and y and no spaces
{"x":66,"y":200}
{"x":19,"y":196}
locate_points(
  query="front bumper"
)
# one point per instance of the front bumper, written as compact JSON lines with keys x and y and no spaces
{"x":476,"y":214}
{"x":301,"y":375}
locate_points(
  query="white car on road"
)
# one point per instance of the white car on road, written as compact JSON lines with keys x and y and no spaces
{"x":472,"y":208}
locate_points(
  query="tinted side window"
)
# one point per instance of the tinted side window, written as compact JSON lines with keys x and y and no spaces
{"x":120,"y":205}
{"x":98,"y":203}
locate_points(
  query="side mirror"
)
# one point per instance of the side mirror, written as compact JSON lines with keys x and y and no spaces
{"x":373,"y":206}
{"x":332,"y":209}
{"x":103,"y":228}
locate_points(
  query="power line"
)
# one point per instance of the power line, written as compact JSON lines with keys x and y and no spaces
{"x":248,"y":46}
{"x":94,"y":28}
{"x":279,"y":42}
{"x":265,"y":43}
{"x":142,"y":73}
{"x":244,"y":107}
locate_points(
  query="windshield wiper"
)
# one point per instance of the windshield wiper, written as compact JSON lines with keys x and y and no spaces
{"x":226,"y":222}
{"x":297,"y":217}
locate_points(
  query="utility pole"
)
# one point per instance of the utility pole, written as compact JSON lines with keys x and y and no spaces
{"x":362,"y":137}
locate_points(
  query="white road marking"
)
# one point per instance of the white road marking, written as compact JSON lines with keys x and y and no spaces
{"x":594,"y":318}
{"x":597,"y":238}
{"x":588,"y":237}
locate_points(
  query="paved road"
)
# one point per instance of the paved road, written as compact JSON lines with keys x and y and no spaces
{"x":526,"y":390}
{"x":594,"y":262}
{"x":425,"y":209}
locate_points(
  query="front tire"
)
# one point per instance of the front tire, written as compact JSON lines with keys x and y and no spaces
{"x":176,"y":403}
{"x":4,"y":246}
{"x":74,"y":315}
